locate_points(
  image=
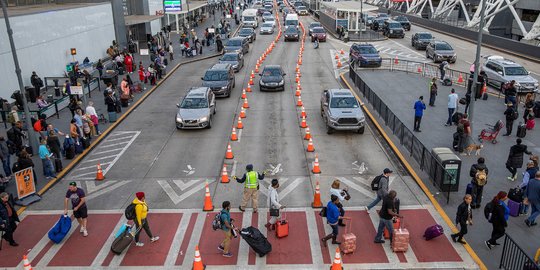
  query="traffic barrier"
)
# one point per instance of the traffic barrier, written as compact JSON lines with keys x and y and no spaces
{"x":99,"y":174}
{"x":396,"y":60}
{"x":26,"y":263}
{"x":229,"y":154}
{"x":336,"y":265}
{"x":299,"y":102}
{"x":246,"y":104}
{"x":311,"y":148}
{"x":242,"y":113}
{"x":197,"y":261}
{"x":243,"y":93}
{"x":303,"y":113}
{"x":317,"y":197}
{"x":308,"y":135}
{"x":224,"y":175}
{"x":316,"y":168}
{"x":234,"y":137}
{"x":239,"y":124}
{"x":303,"y":124}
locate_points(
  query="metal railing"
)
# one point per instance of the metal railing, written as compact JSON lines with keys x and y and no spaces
{"x":514,"y":258}
{"x":427,"y":161}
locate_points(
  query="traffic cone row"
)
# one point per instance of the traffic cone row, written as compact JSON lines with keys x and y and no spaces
{"x":197,"y":260}
{"x":303,"y":123}
{"x":242,"y":113}
{"x":26,"y":263}
{"x":234,"y":137}
{"x":307,"y":137}
{"x":337,"y":265}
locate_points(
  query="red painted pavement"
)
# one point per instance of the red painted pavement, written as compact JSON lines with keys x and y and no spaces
{"x":294,"y":248}
{"x":435,"y":250}
{"x":366,"y":250}
{"x":187,"y":237}
{"x":401,"y":257}
{"x":210,"y":240}
{"x":32,"y":229}
{"x":320,"y":228}
{"x":154,"y":254}
{"x":255,"y":223}
{"x":81,"y":251}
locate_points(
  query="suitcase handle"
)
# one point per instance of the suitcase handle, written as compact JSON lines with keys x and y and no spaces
{"x":400,"y":222}
{"x":283,"y":217}
{"x":348,"y":228}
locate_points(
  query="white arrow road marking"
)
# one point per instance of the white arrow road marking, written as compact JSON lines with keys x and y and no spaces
{"x":190,"y":170}
{"x":362,"y":168}
{"x":108,"y":188}
{"x":285,"y":191}
{"x":182,"y":185}
{"x":355,"y":186}
{"x":276,"y":169}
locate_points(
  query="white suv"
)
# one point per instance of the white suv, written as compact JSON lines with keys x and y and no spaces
{"x":500,"y":70}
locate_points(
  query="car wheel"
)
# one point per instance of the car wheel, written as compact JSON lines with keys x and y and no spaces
{"x":427,"y":54}
{"x":329,"y":130}
{"x":209,"y":123}
{"x":215,"y":109}
{"x":361,"y":130}
{"x":177,"y":127}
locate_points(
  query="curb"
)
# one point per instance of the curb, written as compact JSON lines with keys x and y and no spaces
{"x":415,"y":176}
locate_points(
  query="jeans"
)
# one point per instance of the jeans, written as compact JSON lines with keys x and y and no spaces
{"x":6,"y":162}
{"x":509,"y":126}
{"x":375,"y":202}
{"x":513,"y":100}
{"x":389,"y":226}
{"x":476,"y":194}
{"x":450,"y":113}
{"x":432,"y":97}
{"x":417,"y":120}
{"x":48,"y":168}
{"x":512,"y":170}
{"x":535,"y":211}
{"x":335,"y":230}
{"x":442,"y":74}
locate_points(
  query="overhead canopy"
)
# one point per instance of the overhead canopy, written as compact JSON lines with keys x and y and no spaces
{"x":137,"y":19}
{"x":354,"y":6}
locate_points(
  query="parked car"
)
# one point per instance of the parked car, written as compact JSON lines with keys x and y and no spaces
{"x":318,"y":33}
{"x":220,"y":79}
{"x":196,"y":109}
{"x":500,"y":70}
{"x":266,"y":28}
{"x":302,"y":11}
{"x":291,"y":33}
{"x":233,"y":58}
{"x":341,"y":111}
{"x":369,"y":20}
{"x":313,"y":25}
{"x":272,"y":78}
{"x":268,"y":7}
{"x":441,"y":51}
{"x":237,"y":44}
{"x":383,"y":16}
{"x":393,"y":29}
{"x":404,"y":22}
{"x":421,"y":40}
{"x":248,"y":33}
{"x":377,"y":24}
{"x":365,"y":55}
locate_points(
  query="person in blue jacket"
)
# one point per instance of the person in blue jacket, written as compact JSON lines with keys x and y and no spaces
{"x":332,"y":218}
{"x":419,"y":107}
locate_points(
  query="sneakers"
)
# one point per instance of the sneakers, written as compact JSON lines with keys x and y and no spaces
{"x":528,"y":223}
{"x":139,"y":244}
{"x":379,"y":241}
{"x":228,"y":255}
{"x":221,"y":248}
{"x":85,"y":233}
{"x":488,"y":245}
{"x":81,"y":230}
{"x":454,"y":237}
{"x":154,"y":239}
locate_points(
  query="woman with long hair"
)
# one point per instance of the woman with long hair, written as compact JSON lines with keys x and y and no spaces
{"x":499,"y":216}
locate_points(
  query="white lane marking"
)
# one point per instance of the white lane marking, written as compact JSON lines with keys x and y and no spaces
{"x":392,"y":257}
{"x":99,"y":158}
{"x":89,"y":167}
{"x":106,"y":151}
{"x":288,"y":189}
{"x":105,"y":249}
{"x":314,"y":241}
{"x":355,"y":186}
{"x":174,"y":250}
{"x":263,"y":213}
{"x":194,"y":239}
{"x":182,"y":185}
{"x":107,"y":189}
{"x":239,"y":135}
{"x":233,"y":170}
{"x":275,"y":169}
{"x":362,"y":168}
{"x":119,"y":139}
{"x":243,"y":250}
{"x":121,"y":152}
{"x":190,"y":170}
{"x":263,"y":190}
{"x":407,"y":48}
{"x":111,"y":145}
{"x":91,"y":186}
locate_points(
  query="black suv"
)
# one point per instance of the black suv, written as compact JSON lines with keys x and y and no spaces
{"x":420,"y":40}
{"x":272,"y":78}
{"x":404,"y":22}
{"x":365,"y":55}
{"x":220,"y":78}
{"x":393,"y":29}
{"x":291,"y":33}
{"x":248,"y":33}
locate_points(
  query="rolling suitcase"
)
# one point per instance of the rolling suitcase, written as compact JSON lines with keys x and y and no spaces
{"x":348,"y":245}
{"x":121,"y":242}
{"x":256,"y":240}
{"x":70,"y":152}
{"x":530,"y":124}
{"x":58,"y":165}
{"x":521,"y":130}
{"x":468,"y":190}
{"x":282,"y":227}
{"x":514,"y":208}
{"x":60,"y":229}
{"x":515,"y":194}
{"x":433,"y":232}
{"x":400,"y":241}
{"x":397,"y":225}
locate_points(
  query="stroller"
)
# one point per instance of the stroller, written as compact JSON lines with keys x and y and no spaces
{"x":491,"y":133}
{"x":189,"y":52}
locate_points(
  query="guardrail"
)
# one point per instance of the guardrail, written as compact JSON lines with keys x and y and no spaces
{"x":428,"y":163}
{"x":514,"y":258}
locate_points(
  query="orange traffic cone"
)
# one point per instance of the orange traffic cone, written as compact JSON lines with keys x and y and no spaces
{"x":316,"y":168}
{"x":234,"y":137}
{"x":297,"y":68}
{"x":299,"y":74}
{"x":300,"y":60}
{"x":337,"y":261}
{"x":197,"y":262}
{"x":419,"y":69}
{"x":337,"y":56}
{"x":303,"y":113}
{"x":341,"y":51}
{"x":396,"y":60}
{"x":339,"y":63}
{"x":298,"y":86}
{"x":257,"y":68}
{"x":297,"y":78}
{"x":460,"y":78}
{"x":317,"y":197}
{"x":484,"y":89}
{"x":99,"y":174}
{"x":299,"y":102}
{"x":250,"y":81}
{"x":26,"y":263}
{"x":258,"y":62}
{"x":297,"y":93}
{"x":252,"y":74}
{"x":243,"y":93}
{"x":311,"y":148}
{"x":242,"y":113}
{"x":308,"y":135}
{"x":229,"y":154}
{"x":246,"y":104}
{"x":224,"y":175}
{"x":239,"y":125}
{"x":248,"y":88}
{"x":303,"y":124}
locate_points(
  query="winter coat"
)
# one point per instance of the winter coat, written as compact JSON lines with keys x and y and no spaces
{"x":475,"y":168}
{"x":141,"y":210}
{"x":462,"y":214}
{"x":273,"y":198}
{"x":515,"y":157}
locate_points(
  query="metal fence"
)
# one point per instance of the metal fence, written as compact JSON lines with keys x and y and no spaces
{"x":514,"y":258}
{"x":427,"y":161}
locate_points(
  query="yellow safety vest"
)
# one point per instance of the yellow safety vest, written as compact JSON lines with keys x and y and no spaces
{"x":251,"y":179}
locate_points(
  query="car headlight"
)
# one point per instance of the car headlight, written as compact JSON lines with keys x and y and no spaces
{"x":391,"y":31}
{"x":281,"y":82}
{"x":223,"y":87}
{"x":204,"y":119}
{"x":535,"y":84}
{"x":262,"y":82}
{"x":334,"y":119}
{"x":178,"y":119}
{"x":454,"y":56}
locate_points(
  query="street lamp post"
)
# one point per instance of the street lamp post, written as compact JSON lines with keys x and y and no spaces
{"x":31,"y":133}
{"x":474,"y":87}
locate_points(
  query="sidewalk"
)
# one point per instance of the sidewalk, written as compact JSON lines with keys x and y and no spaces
{"x":388,"y":86}
{"x":63,"y":121}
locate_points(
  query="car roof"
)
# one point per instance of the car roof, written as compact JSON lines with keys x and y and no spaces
{"x":200,"y":91}
{"x":363,"y":45}
{"x":231,"y":53}
{"x":316,"y":23}
{"x":237,"y":38}
{"x":420,"y":33}
{"x":505,"y":62}
{"x":246,"y":28}
{"x":272,"y":67}
{"x":340,"y":92}
{"x":220,"y":66}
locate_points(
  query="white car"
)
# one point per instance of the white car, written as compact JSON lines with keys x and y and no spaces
{"x":267,"y":28}
{"x":270,"y":20}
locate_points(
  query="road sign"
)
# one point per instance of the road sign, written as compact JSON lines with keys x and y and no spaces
{"x":76,"y":90}
{"x":25,"y":183}
{"x":172,"y":6}
{"x":144,"y":52}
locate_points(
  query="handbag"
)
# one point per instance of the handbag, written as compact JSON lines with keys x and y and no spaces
{"x":274,"y":212}
{"x":322,"y":213}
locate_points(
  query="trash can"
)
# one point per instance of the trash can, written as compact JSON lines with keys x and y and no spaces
{"x":446,"y":175}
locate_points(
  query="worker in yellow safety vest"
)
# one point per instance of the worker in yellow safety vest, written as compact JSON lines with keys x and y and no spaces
{"x":251,"y":187}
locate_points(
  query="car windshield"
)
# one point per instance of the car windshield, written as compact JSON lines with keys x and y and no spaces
{"x":271,"y":72}
{"x":267,"y":14}
{"x":313,"y":25}
{"x":302,"y":8}
{"x":215,"y":75}
{"x":401,"y":19}
{"x":367,"y":50}
{"x":394,"y":25}
{"x":269,"y":18}
{"x":515,"y":71}
{"x":234,"y":42}
{"x":343,"y":102}
{"x":291,"y":30}
{"x":425,"y":36}
{"x":318,"y":30}
{"x":383,"y":15}
{"x":443,"y":47}
{"x":267,"y":25}
{"x":229,"y":57}
{"x":194,"y":103}
{"x":246,"y":31}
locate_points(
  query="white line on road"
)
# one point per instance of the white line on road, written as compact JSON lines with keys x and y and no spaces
{"x":111,"y":145}
{"x":357,"y":187}
{"x":90,"y":167}
{"x":122,"y":152}
{"x":105,"y":190}
{"x":99,"y":158}
{"x":314,"y":242}
{"x":177,"y":240}
{"x":175,"y":198}
{"x":123,"y":138}
{"x":243,"y":250}
{"x":233,"y":170}
{"x":239,"y":135}
{"x":194,"y":239}
{"x":107,"y":151}
{"x":290,"y":188}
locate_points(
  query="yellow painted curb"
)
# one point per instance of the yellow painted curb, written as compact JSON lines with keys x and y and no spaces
{"x":414,"y":175}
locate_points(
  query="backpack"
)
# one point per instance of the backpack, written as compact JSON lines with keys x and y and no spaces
{"x":130,"y":212}
{"x":515,"y":115}
{"x":217,"y":223}
{"x":11,"y":118}
{"x":488,"y":210}
{"x":460,"y":128}
{"x":375,"y":183}
{"x":481,"y":177}
{"x":37,"y":126}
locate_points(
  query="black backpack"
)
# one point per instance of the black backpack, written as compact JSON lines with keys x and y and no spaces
{"x":130,"y":212}
{"x":375,"y":183}
{"x":217,"y":222}
{"x":488,"y":210}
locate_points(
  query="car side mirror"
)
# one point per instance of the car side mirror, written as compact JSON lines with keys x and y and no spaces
{"x":528,"y":72}
{"x":284,"y":74}
{"x":500,"y":73}
{"x":260,"y":74}
{"x":177,"y":105}
{"x":202,"y":78}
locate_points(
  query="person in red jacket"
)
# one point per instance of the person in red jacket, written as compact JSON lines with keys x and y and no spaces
{"x":128,"y":61}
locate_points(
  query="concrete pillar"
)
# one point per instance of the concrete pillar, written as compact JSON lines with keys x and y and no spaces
{"x":119,"y":23}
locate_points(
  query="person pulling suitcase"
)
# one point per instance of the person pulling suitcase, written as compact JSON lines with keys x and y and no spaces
{"x":141,"y":222}
{"x":78,"y":201}
{"x":227,"y":228}
{"x":274,"y":205}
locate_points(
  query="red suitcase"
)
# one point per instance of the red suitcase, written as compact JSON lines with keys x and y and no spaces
{"x":400,"y":241}
{"x":282,"y":227}
{"x":348,"y":245}
{"x":397,"y":224}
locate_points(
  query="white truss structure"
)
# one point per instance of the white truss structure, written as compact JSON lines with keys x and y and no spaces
{"x":416,"y":6}
{"x":445,"y":8}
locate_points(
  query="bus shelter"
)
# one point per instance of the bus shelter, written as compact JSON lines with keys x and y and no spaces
{"x":346,"y":14}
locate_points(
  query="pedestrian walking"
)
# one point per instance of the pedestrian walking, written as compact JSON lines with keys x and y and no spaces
{"x":499,"y":217}
{"x":528,"y":175}
{"x":8,"y":219}
{"x":452,"y":106}
{"x":533,"y":199}
{"x":171,"y":52}
{"x":463,"y":219}
{"x":510,"y":93}
{"x":419,"y":107}
{"x":251,"y":188}
{"x":141,"y":221}
{"x":515,"y":158}
{"x":529,"y":107}
{"x":332,"y":218}
{"x":227,"y":228}
{"x":342,"y":195}
{"x":6,"y":156}
{"x":53,"y":143}
{"x":15,"y":135}
{"x":78,"y":202}
{"x":46,"y":160}
{"x":510,"y":115}
{"x":91,"y":110}
{"x":442,"y":69}
{"x":273,"y":205}
{"x":386,"y":214}
{"x":432,"y":91}
{"x":478,"y":174}
{"x":382,"y":191}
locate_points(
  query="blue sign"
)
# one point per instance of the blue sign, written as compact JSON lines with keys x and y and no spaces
{"x":172,"y":6}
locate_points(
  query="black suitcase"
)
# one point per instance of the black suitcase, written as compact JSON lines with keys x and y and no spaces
{"x":256,"y":240}
{"x":515,"y":194}
{"x":165,"y":61}
{"x":521,"y":130}
{"x":58,"y":165}
{"x":485,"y":96}
{"x":121,"y":70}
{"x":85,"y":142}
{"x":70,"y":152}
{"x":124,"y":102}
{"x":121,"y":242}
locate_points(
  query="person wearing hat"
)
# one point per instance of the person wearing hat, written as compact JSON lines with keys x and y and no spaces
{"x":510,"y":115}
{"x":251,"y":187}
{"x":384,"y":183}
{"x":78,"y":201}
{"x":273,"y":203}
{"x":8,"y":219}
{"x":141,"y":211}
